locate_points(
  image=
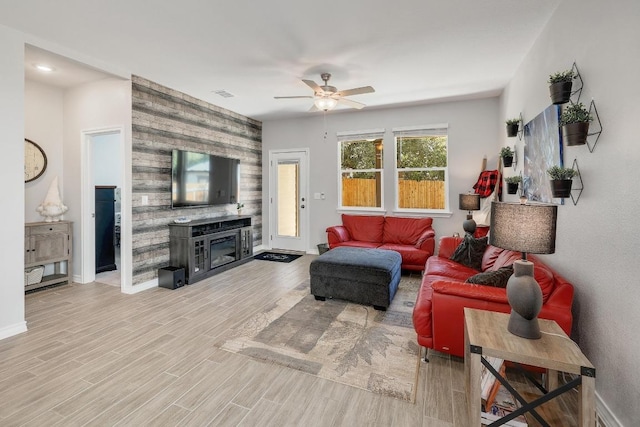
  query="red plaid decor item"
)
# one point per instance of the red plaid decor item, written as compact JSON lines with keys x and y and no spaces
{"x":487,"y":182}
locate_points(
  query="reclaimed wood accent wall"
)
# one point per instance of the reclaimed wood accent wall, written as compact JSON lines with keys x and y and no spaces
{"x":163,"y":120}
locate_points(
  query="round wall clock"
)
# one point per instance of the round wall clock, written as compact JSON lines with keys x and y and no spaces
{"x":35,"y":161}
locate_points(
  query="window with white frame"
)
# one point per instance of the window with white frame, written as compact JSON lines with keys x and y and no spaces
{"x":421,"y":168}
{"x":361,"y":169}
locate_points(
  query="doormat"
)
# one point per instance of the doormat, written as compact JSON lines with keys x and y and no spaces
{"x":337,"y":340}
{"x":274,"y":256}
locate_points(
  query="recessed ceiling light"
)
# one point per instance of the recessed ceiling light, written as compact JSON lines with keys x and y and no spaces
{"x":45,"y":68}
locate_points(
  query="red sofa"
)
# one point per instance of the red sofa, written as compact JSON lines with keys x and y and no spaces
{"x":413,"y":238}
{"x":438,"y":316}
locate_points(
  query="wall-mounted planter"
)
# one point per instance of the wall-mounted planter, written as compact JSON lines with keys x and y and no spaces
{"x":575,"y":133}
{"x":512,"y":130}
{"x":560,"y":92}
{"x":561,"y":187}
{"x":506,"y":154}
{"x":512,"y":188}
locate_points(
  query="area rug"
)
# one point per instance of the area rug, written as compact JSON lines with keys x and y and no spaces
{"x":274,"y":256}
{"x":345,"y":342}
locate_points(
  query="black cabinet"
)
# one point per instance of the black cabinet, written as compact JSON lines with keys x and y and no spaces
{"x":105,"y":228}
{"x":209,"y":246}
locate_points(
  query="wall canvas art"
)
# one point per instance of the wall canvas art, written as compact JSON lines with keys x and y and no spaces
{"x":542,"y":149}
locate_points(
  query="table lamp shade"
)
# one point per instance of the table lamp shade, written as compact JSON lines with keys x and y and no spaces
{"x":527,"y":228}
{"x":469,"y":202}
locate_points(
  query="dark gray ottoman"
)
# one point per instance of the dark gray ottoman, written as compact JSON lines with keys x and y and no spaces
{"x":365,"y":276}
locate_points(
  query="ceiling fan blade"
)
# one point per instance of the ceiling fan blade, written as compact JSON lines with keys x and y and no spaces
{"x":356,"y":91}
{"x":313,"y":85}
{"x":292,"y":97}
{"x":351,"y":103}
{"x":313,"y":108}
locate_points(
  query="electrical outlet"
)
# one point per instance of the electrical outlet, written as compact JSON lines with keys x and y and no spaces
{"x":145,"y":200}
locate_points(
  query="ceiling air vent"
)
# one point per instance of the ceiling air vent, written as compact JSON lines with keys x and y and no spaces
{"x":223,"y":93}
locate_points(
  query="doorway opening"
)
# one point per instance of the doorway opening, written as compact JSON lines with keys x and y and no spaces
{"x":102,"y":213}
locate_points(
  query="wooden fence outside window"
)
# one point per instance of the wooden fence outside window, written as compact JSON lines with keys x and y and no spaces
{"x":412,"y":194}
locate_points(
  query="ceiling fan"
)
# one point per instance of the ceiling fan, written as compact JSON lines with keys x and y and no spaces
{"x":327,"y":97}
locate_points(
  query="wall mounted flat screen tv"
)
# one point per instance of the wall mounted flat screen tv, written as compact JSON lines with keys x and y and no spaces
{"x":199,"y":179}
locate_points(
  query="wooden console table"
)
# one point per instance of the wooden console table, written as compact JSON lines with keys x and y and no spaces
{"x":49,"y":243}
{"x":485,"y":334}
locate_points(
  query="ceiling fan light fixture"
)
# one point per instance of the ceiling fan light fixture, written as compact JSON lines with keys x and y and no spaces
{"x":326,"y":97}
{"x":325,"y":103}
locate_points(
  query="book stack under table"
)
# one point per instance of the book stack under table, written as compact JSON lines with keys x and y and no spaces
{"x":497,"y":402}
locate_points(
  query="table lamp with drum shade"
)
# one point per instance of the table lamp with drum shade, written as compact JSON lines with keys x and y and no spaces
{"x":526,"y":228}
{"x":469,"y":202}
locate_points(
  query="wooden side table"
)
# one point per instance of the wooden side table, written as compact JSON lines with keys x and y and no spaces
{"x":485,"y":334}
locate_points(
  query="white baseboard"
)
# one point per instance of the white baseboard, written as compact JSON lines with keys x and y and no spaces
{"x":153,"y":283}
{"x":11,"y":330}
{"x":604,"y":414}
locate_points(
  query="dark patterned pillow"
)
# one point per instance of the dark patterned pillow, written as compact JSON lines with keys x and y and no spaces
{"x":497,"y":278}
{"x":469,"y":252}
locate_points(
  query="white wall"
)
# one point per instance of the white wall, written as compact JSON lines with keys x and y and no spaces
{"x":473,"y":133}
{"x":105,"y":104}
{"x":43,"y":125}
{"x":597,"y":244}
{"x":107,"y":166}
{"x":12,"y":178}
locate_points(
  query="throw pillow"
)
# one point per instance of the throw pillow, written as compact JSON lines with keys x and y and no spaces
{"x":497,"y":278}
{"x":469,"y":252}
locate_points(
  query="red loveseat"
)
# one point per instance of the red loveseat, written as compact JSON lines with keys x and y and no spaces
{"x":438,"y":316}
{"x":413,"y":238}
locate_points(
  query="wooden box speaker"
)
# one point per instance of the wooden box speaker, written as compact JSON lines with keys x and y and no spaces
{"x":171,"y":277}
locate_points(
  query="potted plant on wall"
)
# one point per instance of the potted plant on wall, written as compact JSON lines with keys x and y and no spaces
{"x":512,"y":127}
{"x":561,"y":180}
{"x":512,"y":184}
{"x":560,"y":86}
{"x":574,"y":121}
{"x":507,"y":156}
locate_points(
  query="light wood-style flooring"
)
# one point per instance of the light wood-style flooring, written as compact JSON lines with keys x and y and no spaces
{"x":96,"y":357}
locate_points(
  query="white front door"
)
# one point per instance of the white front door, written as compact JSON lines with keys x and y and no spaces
{"x":288,"y":199}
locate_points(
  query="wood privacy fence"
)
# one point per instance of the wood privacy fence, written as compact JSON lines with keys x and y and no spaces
{"x":411,"y":194}
{"x":359,"y":192}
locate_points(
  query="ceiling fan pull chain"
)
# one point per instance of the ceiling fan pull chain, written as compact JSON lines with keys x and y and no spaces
{"x":325,"y":125}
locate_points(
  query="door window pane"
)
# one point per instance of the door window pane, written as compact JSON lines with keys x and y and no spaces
{"x":288,"y":196}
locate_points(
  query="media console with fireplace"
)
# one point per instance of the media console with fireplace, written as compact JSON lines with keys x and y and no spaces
{"x":209,"y":246}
